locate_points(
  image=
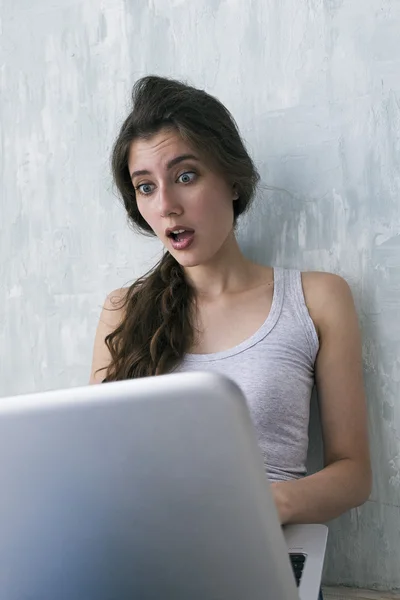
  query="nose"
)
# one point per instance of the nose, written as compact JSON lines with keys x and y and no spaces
{"x":168,"y":202}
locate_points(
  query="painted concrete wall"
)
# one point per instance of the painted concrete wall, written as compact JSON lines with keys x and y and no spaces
{"x":315,"y":88}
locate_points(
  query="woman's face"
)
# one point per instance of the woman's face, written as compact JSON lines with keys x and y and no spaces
{"x":188,"y":205}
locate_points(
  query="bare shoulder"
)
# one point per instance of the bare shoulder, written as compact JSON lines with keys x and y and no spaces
{"x":320,"y":288}
{"x":114,"y":305}
{"x":328,"y":298}
{"x":111,"y":317}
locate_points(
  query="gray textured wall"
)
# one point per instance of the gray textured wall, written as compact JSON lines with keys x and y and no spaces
{"x":315,"y":87}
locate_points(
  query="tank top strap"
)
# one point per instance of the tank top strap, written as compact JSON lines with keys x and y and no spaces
{"x":289,"y":284}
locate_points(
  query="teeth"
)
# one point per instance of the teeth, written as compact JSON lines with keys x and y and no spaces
{"x":176,"y":231}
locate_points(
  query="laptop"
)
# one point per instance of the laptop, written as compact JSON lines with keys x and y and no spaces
{"x":145,"y":489}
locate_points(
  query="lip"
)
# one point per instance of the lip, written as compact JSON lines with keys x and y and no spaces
{"x":182,"y":244}
{"x":171,"y":229}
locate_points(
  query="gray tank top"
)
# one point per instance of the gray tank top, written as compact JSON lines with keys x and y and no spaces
{"x":275,"y":370}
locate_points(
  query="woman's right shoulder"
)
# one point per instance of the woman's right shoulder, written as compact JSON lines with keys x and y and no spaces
{"x":115,"y":302}
{"x":111,"y":317}
{"x":113,"y":309}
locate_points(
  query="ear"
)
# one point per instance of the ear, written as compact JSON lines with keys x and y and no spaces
{"x":235,"y":192}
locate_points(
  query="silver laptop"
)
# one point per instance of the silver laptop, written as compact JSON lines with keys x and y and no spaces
{"x":145,"y":489}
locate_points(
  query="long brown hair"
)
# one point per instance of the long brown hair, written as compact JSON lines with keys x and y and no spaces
{"x":157,"y":327}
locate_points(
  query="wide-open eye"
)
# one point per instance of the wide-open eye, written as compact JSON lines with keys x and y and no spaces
{"x":145,"y":188}
{"x":187,"y":177}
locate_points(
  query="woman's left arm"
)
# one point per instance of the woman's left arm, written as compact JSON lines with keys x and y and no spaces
{"x":345,"y":480}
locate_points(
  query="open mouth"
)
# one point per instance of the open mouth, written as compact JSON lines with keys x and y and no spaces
{"x":180,"y":235}
{"x":181,"y":238}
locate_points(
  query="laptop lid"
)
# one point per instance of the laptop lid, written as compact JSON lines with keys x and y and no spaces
{"x":152,"y":488}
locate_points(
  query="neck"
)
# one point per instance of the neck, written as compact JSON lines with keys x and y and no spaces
{"x":226,"y":273}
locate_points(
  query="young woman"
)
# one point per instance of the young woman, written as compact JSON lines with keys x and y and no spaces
{"x":185,"y":176}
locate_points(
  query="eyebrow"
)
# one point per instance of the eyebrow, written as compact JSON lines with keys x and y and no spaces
{"x":171,"y":163}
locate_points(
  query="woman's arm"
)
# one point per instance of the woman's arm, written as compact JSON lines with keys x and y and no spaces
{"x":110,"y":318}
{"x":345,"y":481}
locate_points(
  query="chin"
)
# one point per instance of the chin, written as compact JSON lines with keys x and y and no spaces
{"x":188,"y":261}
{"x":196,"y":257}
{"x":191,"y":259}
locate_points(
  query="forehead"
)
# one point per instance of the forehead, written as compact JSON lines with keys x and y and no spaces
{"x":157,"y":150}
